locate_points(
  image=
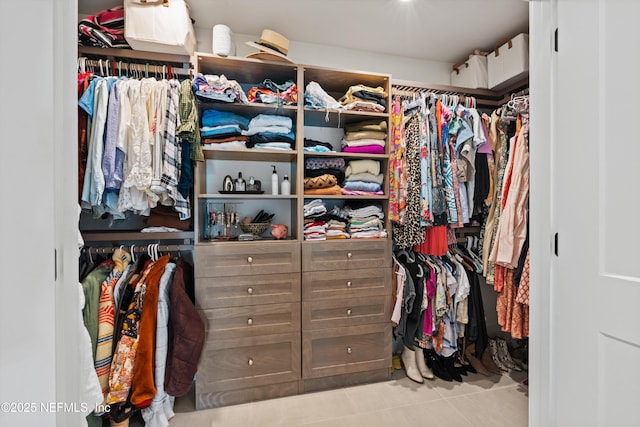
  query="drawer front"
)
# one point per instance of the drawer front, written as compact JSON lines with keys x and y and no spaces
{"x":248,"y":362}
{"x":346,"y":283}
{"x":248,"y":321}
{"x":233,"y":259}
{"x":216,"y":292}
{"x":340,"y":255}
{"x":340,"y":351}
{"x":345,"y":312}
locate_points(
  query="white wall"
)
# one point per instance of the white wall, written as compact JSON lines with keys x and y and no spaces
{"x":399,"y":67}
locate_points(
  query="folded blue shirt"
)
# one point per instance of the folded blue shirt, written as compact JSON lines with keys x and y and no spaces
{"x":362,"y":186}
{"x":220,"y":130}
{"x":270,"y":120}
{"x":211,"y":118}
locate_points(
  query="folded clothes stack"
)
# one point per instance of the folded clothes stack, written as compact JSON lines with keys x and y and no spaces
{"x":315,"y":227}
{"x":364,"y":98}
{"x":363,"y":178}
{"x":223,"y":129}
{"x":323,"y":175}
{"x":365,"y":137}
{"x":337,"y":230}
{"x":270,"y":131}
{"x":316,"y":97}
{"x":366,"y":222}
{"x":317,"y":146}
{"x":218,"y":88}
{"x":269,"y":92}
{"x":105,"y":29}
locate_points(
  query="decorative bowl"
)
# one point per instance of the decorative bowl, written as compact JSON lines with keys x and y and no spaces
{"x":256,"y":228}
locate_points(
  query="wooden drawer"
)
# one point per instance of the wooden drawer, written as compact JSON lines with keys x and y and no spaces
{"x":346,"y":283}
{"x":248,"y":321}
{"x":234,"y":259}
{"x":216,"y":292}
{"x":341,"y":255}
{"x":340,"y":351}
{"x":345,"y":312}
{"x":249,"y":362}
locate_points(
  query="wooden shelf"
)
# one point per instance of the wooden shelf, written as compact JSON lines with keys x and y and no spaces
{"x":136,"y":55}
{"x":248,"y":196}
{"x":118,"y":237}
{"x":337,"y":118}
{"x":249,"y":154}
{"x":347,"y":155}
{"x":344,"y":197}
{"x":249,"y":110}
{"x":246,"y":70}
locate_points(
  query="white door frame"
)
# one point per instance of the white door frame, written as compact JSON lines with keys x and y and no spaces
{"x":542,"y":25}
{"x":69,"y":383}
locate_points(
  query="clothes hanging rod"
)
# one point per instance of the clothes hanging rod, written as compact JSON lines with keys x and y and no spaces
{"x":95,"y":250}
{"x":113,"y":68}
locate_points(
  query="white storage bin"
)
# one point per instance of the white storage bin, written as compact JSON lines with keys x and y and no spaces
{"x":471,"y":73}
{"x":223,"y":41}
{"x":509,"y":62}
{"x":159,"y":26}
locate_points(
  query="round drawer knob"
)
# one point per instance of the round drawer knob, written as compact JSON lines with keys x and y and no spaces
{"x":249,"y":321}
{"x":348,"y":312}
{"x":349,"y":284}
{"x":349,"y":350}
{"x":249,"y":260}
{"x":250,"y":362}
{"x":250,"y":291}
{"x":349,"y":255}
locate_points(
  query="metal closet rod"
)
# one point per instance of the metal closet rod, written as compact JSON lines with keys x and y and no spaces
{"x":114,"y":68}
{"x":137,"y":249}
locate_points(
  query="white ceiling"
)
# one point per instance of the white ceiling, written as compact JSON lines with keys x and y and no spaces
{"x":439,"y":30}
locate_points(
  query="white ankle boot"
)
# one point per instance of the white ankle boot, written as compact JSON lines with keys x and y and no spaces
{"x":410,"y":366}
{"x":424,"y":370}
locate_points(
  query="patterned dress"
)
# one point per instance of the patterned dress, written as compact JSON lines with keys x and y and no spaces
{"x":409,"y":233}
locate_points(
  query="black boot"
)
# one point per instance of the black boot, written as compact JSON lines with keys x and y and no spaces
{"x":436,"y":364}
{"x":451,"y":370}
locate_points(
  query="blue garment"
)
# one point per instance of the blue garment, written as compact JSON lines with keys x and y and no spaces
{"x":272,"y":137}
{"x":226,"y":130}
{"x":86,"y":100}
{"x":317,"y":149}
{"x":371,"y":187}
{"x":112,"y":179}
{"x":186,"y":172}
{"x":212,"y":118}
{"x":262,"y":120}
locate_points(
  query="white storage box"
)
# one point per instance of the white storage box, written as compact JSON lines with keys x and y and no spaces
{"x":509,"y":62}
{"x":471,"y":73}
{"x":159,"y":26}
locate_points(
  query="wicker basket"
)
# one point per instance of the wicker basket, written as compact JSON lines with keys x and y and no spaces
{"x":256,"y":228}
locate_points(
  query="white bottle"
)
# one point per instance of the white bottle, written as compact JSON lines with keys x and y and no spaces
{"x":274,"y":181}
{"x":286,"y":186}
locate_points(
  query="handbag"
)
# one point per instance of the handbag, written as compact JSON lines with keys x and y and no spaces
{"x":159,"y":26}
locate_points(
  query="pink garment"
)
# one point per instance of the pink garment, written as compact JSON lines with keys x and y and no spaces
{"x":486,"y":147}
{"x":512,"y":227}
{"x":369,"y":149}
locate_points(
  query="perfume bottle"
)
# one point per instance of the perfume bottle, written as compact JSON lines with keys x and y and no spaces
{"x":240,"y":183}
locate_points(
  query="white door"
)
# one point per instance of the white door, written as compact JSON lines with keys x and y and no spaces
{"x":595,"y":342}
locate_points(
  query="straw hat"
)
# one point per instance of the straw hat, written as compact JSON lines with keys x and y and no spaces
{"x":272,"y":47}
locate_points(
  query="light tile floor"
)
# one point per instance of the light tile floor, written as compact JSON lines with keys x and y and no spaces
{"x":478,"y":401}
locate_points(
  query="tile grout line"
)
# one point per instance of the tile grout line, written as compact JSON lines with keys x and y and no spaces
{"x":483,"y":391}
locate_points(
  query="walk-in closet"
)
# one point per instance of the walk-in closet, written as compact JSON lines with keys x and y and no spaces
{"x":248,"y":213}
